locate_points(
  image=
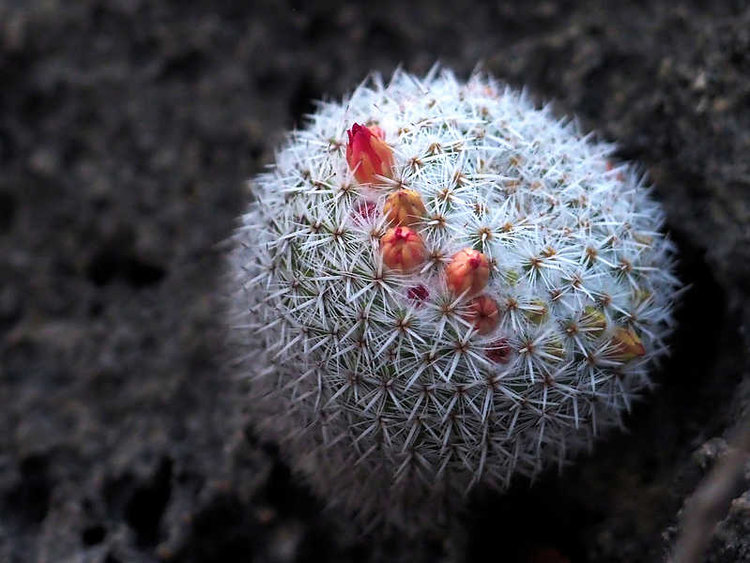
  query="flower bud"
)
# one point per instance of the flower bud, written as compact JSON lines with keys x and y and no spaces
{"x":418,"y":294}
{"x":499,"y":351}
{"x":403,"y":249}
{"x":483,"y":313}
{"x":404,"y":207}
{"x":377,"y":131}
{"x":554,"y":349}
{"x":640,"y":296}
{"x":593,"y":322}
{"x":536,"y":311}
{"x":627,"y":345}
{"x":364,"y":211}
{"x":367,"y":154}
{"x":468,"y":271}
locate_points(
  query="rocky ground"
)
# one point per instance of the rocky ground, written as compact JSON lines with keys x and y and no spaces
{"x":127,"y":130}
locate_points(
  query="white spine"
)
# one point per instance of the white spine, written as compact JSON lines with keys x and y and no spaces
{"x":389,"y":403}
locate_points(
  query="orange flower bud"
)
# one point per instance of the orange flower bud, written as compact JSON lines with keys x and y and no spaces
{"x":367,"y":154}
{"x":402,"y":249}
{"x":627,"y":344}
{"x":483,"y":313}
{"x":404,"y":207}
{"x":468,"y":271}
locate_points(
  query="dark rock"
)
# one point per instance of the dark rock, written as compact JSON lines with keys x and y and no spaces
{"x":127,"y":130}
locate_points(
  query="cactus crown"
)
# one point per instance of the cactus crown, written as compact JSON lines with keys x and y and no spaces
{"x":467,"y":290}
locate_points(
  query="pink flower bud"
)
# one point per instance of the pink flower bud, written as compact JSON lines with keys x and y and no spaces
{"x":483,"y":313}
{"x":468,"y":271}
{"x":367,"y":154}
{"x":364,"y":211}
{"x":403,"y":249}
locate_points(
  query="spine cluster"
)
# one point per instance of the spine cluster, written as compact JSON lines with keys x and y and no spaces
{"x":439,"y":284}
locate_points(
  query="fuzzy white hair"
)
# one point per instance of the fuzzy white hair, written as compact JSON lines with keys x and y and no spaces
{"x":392,"y":406}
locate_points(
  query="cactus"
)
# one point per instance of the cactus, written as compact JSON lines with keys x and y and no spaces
{"x":439,"y":285}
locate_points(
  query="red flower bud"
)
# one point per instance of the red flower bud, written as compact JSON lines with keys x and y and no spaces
{"x":367,"y":154}
{"x":468,"y":272}
{"x":402,"y":249}
{"x":377,"y":131}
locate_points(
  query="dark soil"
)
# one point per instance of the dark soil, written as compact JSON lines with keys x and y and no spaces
{"x":127,"y":131}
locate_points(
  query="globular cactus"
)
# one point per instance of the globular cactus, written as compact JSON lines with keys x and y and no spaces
{"x":438,"y":285}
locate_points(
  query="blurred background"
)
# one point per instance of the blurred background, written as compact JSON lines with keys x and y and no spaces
{"x":128,"y":129}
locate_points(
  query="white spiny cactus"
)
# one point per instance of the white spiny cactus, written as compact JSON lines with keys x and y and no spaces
{"x":465,"y":290}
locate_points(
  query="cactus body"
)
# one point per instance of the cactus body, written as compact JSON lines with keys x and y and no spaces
{"x":520,"y":320}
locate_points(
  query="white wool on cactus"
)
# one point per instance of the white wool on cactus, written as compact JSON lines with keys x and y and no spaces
{"x":438,"y":284}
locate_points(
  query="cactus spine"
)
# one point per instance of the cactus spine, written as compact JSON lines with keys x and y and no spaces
{"x":438,"y":284}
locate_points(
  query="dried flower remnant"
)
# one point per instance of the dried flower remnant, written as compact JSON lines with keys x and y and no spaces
{"x":367,"y":154}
